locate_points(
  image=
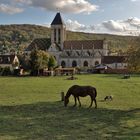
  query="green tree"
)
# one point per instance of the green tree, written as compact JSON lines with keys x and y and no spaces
{"x":38,"y":60}
{"x":43,"y":58}
{"x":51,"y":62}
{"x":24,"y":61}
{"x":133,"y":54}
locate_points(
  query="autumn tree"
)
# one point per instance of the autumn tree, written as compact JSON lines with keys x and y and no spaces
{"x":38,"y":60}
{"x":24,"y":61}
{"x":133,"y":56}
{"x":51,"y":62}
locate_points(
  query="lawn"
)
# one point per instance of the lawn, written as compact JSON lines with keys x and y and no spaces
{"x":30,"y":109}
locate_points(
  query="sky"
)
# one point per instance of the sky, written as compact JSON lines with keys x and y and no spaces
{"x":95,"y":16}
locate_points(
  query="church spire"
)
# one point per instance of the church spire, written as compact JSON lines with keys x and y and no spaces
{"x":57,"y":20}
{"x":58,"y":31}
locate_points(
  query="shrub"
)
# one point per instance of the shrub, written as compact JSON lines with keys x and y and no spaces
{"x":6,"y":71}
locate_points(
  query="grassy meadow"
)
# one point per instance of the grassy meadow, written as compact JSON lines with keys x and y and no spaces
{"x":30,"y":109}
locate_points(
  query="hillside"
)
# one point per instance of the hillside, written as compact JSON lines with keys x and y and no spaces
{"x":18,"y":37}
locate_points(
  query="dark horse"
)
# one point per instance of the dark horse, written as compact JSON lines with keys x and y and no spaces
{"x":81,"y":91}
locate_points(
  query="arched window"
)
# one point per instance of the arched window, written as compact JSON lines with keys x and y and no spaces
{"x":54,"y":35}
{"x":96,"y":63}
{"x":63,"y":64}
{"x":54,"y":57}
{"x":59,"y":36}
{"x":74,"y":64}
{"x":85,"y":64}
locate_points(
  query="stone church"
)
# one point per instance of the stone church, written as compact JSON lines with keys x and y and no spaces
{"x":73,"y":53}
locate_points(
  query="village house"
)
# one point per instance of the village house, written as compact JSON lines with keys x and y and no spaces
{"x":10,"y":61}
{"x":115,"y":62}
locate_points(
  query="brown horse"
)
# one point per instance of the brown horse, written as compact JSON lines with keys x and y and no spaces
{"x":81,"y":91}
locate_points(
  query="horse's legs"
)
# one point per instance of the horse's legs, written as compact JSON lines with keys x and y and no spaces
{"x":91,"y":103}
{"x":79,"y":101}
{"x":95,"y":103}
{"x":75,"y":101}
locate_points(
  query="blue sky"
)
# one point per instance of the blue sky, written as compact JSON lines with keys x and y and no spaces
{"x":101,"y":16}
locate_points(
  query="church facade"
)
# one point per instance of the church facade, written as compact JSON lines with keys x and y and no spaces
{"x":74,"y":53}
{"x":70,"y":53}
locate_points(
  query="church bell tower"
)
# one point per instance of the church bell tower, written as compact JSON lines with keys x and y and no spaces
{"x":58,"y":31}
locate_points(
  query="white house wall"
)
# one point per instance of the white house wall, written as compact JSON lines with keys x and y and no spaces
{"x":7,"y":65}
{"x":80,"y":61}
{"x":117,"y":65}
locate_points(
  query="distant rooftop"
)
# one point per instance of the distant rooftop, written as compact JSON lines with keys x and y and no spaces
{"x":39,"y":43}
{"x":113,"y":59}
{"x":57,"y":20}
{"x":83,"y":44}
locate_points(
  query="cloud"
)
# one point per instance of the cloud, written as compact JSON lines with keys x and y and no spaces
{"x":135,"y":22}
{"x":66,"y":6}
{"x":5,"y":8}
{"x":114,"y":25}
{"x":76,"y":26}
{"x":129,"y":26}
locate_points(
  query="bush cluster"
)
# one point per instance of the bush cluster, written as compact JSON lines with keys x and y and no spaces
{"x":5,"y":71}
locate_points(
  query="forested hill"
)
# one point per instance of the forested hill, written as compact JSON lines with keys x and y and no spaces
{"x":18,"y":37}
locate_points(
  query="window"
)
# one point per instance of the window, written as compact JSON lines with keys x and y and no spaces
{"x":54,"y":35}
{"x":85,"y":64}
{"x":8,"y":59}
{"x":74,"y":64}
{"x":96,"y":63}
{"x":63,"y":64}
{"x":59,"y":36}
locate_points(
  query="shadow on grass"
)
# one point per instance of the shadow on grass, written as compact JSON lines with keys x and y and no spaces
{"x":52,"y":121}
{"x":120,"y":76}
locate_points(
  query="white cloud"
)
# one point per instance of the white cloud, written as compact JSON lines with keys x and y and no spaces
{"x":76,"y":26}
{"x":114,"y":25}
{"x":5,"y":8}
{"x":129,"y":26}
{"x":135,"y":22}
{"x":66,"y":6}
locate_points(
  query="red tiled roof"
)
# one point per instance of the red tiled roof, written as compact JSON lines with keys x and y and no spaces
{"x":40,"y":43}
{"x":85,"y":44}
{"x":113,"y":59}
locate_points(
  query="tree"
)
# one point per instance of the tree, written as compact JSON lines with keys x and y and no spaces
{"x":133,"y":54}
{"x":38,"y":60}
{"x":24,"y":61}
{"x":51,"y":62}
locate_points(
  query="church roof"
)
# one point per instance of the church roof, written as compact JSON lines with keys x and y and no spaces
{"x":113,"y":59}
{"x":83,"y":44}
{"x":39,"y":43}
{"x":57,"y":20}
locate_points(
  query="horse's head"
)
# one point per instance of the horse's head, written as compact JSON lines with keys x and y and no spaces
{"x":66,"y":101}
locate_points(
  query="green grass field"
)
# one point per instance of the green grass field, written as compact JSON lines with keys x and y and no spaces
{"x":30,"y":109}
